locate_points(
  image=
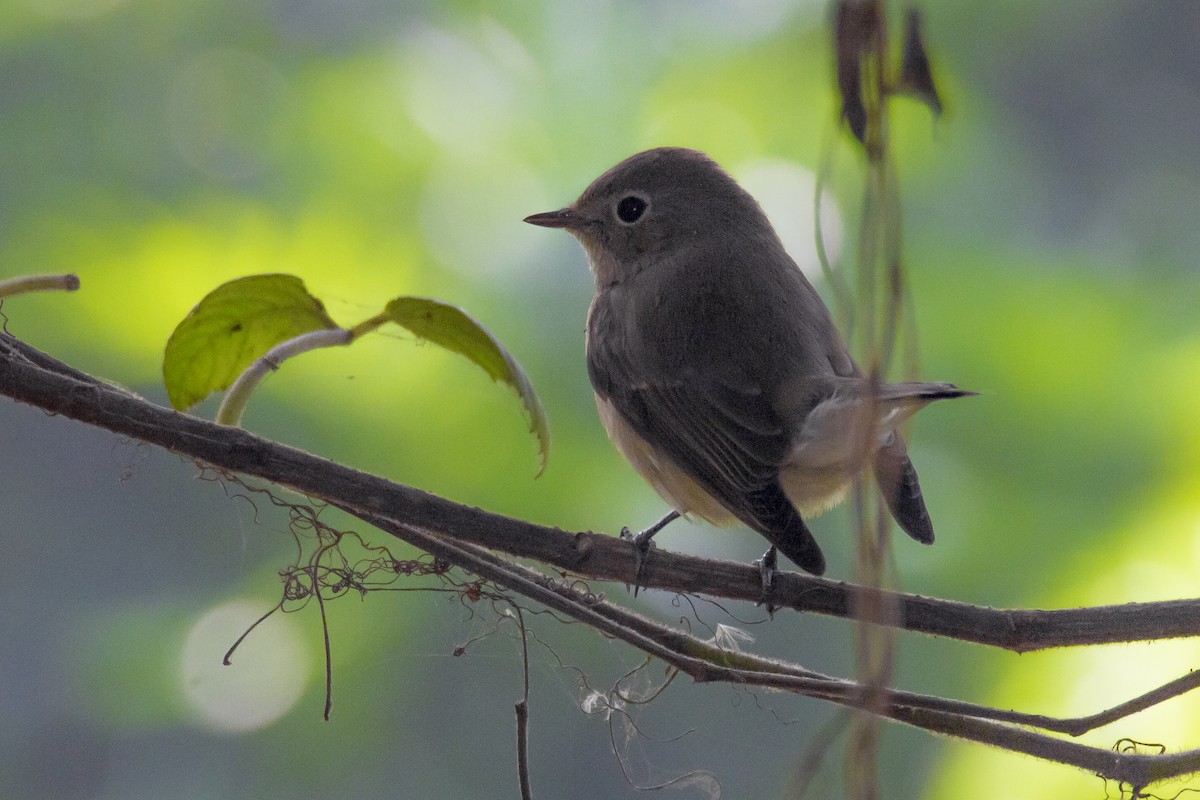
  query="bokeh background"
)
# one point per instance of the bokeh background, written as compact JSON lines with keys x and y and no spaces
{"x":160,"y":147}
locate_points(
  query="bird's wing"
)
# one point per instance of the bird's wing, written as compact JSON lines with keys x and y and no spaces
{"x":726,"y":437}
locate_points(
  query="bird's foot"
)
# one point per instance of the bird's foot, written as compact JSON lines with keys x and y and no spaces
{"x":642,"y":543}
{"x":641,"y":547}
{"x":766,"y":573}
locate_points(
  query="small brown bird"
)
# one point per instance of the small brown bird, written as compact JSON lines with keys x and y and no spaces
{"x":717,"y":369}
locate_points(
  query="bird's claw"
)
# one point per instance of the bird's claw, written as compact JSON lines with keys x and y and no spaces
{"x":766,"y":573}
{"x":642,"y":542}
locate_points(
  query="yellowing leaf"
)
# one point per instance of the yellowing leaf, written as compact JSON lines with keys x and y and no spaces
{"x":455,"y":330}
{"x":236,"y":323}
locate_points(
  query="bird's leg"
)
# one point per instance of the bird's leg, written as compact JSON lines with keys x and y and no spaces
{"x":642,"y":542}
{"x":766,"y":573}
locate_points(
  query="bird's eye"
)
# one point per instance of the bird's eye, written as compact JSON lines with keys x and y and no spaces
{"x":630,"y":209}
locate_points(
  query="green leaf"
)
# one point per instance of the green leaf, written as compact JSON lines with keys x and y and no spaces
{"x":236,"y":323}
{"x":455,"y":330}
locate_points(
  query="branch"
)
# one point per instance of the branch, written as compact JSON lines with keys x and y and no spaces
{"x":32,"y":377}
{"x":706,"y":661}
{"x":456,"y":533}
{"x":39,"y":283}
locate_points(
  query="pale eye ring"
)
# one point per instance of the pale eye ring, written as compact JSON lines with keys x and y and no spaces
{"x":631,"y":208}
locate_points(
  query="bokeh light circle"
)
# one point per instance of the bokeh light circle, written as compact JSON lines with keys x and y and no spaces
{"x":268,"y":674}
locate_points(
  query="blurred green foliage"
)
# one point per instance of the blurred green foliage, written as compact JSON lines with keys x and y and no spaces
{"x":384,"y":148}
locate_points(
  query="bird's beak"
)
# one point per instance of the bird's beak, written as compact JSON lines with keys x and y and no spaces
{"x":563,"y":218}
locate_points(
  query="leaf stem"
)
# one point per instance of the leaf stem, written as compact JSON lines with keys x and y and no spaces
{"x":234,"y":404}
{"x":368,"y":325}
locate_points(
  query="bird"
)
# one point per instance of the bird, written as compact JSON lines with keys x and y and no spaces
{"x":717,"y":369}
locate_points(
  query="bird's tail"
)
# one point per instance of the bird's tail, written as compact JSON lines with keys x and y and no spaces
{"x":901,"y":490}
{"x":894,"y":472}
{"x":899,"y":401}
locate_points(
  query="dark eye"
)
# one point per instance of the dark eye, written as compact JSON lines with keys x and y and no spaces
{"x":631,"y":208}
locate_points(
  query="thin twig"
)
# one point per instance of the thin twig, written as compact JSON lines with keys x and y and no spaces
{"x":228,"y":659}
{"x":328,"y":649}
{"x":522,"y":709}
{"x":38,"y":283}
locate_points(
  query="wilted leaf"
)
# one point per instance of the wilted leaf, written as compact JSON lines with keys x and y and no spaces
{"x":236,"y":323}
{"x":856,"y":28}
{"x":916,"y":76}
{"x":455,"y":330}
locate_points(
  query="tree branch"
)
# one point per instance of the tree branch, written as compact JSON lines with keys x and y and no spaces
{"x":32,"y":377}
{"x":706,"y":661}
{"x":459,"y":534}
